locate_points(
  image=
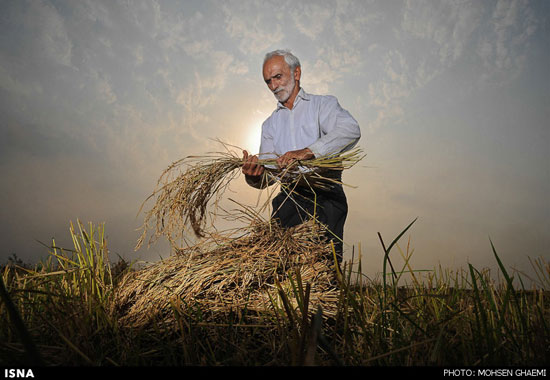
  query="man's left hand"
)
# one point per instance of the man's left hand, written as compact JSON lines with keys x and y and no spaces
{"x":294,"y":155}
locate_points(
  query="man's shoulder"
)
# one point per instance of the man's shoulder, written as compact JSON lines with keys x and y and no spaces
{"x":309,"y":95}
{"x":320,"y":99}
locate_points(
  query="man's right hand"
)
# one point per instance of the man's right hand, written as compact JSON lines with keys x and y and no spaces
{"x":250,"y":165}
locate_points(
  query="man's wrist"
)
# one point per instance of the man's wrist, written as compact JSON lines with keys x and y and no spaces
{"x":309,"y":153}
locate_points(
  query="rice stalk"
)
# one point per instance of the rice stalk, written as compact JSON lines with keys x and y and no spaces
{"x":186,"y":188}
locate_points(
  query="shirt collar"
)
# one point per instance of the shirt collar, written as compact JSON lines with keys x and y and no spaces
{"x":301,"y":95}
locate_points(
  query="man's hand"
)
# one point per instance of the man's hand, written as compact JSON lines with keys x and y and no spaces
{"x":250,"y":165}
{"x":294,"y":155}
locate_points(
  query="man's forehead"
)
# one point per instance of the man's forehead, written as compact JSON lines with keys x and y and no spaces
{"x":276,"y":63}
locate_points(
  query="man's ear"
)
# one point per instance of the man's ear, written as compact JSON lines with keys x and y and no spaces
{"x":297,"y":73}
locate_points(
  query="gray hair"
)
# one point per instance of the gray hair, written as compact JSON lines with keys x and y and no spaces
{"x":292,"y":61}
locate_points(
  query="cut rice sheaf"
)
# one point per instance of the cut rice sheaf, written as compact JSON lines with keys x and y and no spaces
{"x":244,"y":273}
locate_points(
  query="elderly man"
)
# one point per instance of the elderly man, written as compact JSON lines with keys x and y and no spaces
{"x":303,"y":126}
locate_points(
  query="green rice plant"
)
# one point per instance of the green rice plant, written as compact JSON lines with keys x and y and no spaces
{"x":68,"y":294}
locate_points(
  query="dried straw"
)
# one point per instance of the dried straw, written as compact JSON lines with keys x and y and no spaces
{"x":232,"y":274}
{"x":187,"y":186}
{"x":222,"y":272}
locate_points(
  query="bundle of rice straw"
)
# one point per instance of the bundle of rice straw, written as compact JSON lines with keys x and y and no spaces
{"x":186,"y":187}
{"x":222,"y":272}
{"x":232,"y":274}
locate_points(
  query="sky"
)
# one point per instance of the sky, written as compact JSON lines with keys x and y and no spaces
{"x":97,"y":98}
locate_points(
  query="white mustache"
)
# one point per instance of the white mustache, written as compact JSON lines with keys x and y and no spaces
{"x":277,"y":90}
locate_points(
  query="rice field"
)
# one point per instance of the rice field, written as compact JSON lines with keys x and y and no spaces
{"x":79,"y":308}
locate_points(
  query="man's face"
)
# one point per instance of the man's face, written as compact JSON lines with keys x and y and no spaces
{"x":279,"y":79}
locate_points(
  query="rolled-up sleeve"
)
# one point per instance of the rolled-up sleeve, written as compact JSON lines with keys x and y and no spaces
{"x":339,"y":130}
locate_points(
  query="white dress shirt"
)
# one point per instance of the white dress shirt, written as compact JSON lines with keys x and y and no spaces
{"x":317,"y":122}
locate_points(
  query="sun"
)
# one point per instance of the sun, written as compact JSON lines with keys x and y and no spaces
{"x":253,"y":136}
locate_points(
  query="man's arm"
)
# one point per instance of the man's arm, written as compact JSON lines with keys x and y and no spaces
{"x":339,"y":130}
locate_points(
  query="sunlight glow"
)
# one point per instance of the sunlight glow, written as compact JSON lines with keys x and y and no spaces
{"x":253,"y":136}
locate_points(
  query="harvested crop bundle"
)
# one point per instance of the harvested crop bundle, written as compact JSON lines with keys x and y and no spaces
{"x":222,"y":273}
{"x":187,"y":186}
{"x":232,"y":274}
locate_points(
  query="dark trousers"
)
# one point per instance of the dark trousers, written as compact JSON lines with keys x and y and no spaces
{"x":331,"y":210}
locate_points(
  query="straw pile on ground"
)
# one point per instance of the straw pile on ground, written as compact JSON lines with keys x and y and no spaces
{"x":230,"y":275}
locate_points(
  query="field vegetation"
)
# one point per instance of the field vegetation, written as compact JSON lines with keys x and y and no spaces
{"x":60,"y":312}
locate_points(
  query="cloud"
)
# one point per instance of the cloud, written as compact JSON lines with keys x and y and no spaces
{"x":489,"y":39}
{"x":340,"y":30}
{"x":198,"y":97}
{"x":354,"y":21}
{"x":253,"y":24}
{"x":15,"y":86}
{"x":448,"y":25}
{"x":50,"y":31}
{"x":498,"y":33}
{"x":503,"y":48}
{"x":318,"y":77}
{"x":311,"y":18}
{"x":386,"y":95}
